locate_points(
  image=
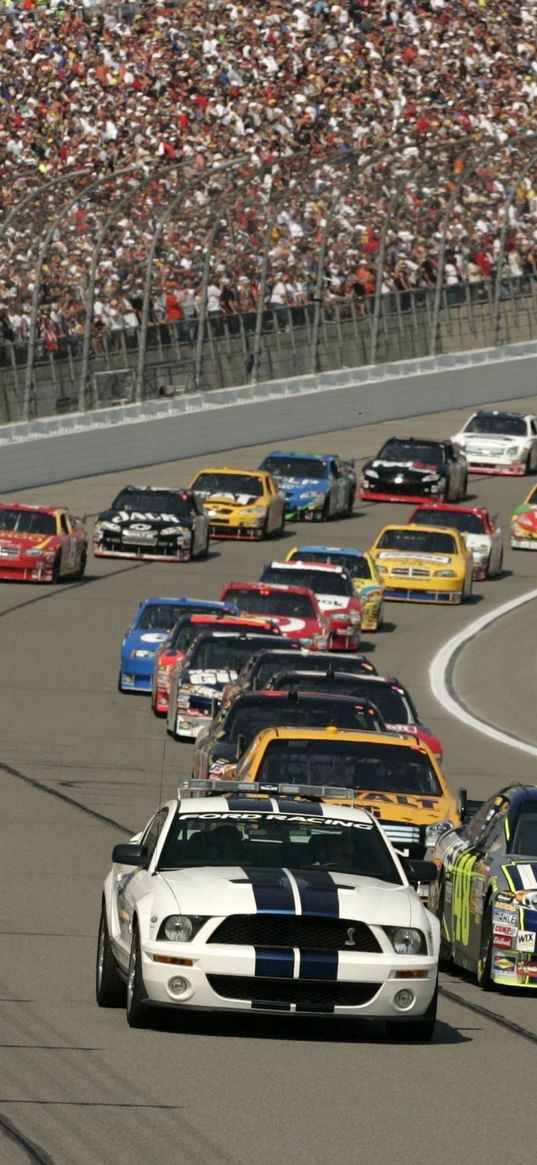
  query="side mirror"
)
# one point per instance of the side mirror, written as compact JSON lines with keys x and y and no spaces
{"x":130,"y":854}
{"x":417,"y":870}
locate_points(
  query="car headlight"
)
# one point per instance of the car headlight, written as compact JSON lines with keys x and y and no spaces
{"x":259,"y":510}
{"x":35,"y":552}
{"x":141,"y":653}
{"x":406,"y":941}
{"x":433,"y":832}
{"x":480,"y":548}
{"x":445,"y":574}
{"x":431,"y":477}
{"x":312,"y":496}
{"x":512,"y":452}
{"x":180,"y":928}
{"x":370,"y":473}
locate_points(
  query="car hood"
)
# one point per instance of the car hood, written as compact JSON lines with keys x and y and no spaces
{"x":525,"y":515}
{"x":21,"y":542}
{"x":297,"y":628}
{"x":224,"y":890}
{"x":408,"y":470}
{"x":124,"y":520}
{"x":335,"y":602}
{"x":476,"y":441}
{"x":144,"y":640}
{"x":295,"y":486}
{"x":404,"y":558}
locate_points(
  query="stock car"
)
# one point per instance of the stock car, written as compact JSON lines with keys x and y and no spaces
{"x":486,"y":893}
{"x":258,"y":671}
{"x":480,"y":530}
{"x":295,"y":609}
{"x":524,"y":523}
{"x":277,"y":904}
{"x":335,"y":594}
{"x":393,"y":702}
{"x":365,"y":577}
{"x":152,"y":627}
{"x":153,"y":523}
{"x":240,"y":503}
{"x":409,"y":469}
{"x":499,"y":442}
{"x":222,"y":743}
{"x":424,"y":564}
{"x":317,"y":486}
{"x":41,"y":543}
{"x":197,"y":682}
{"x":208,"y":617}
{"x":394,"y":776}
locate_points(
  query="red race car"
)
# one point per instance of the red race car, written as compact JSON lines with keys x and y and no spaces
{"x":294,"y":609}
{"x":41,"y":543}
{"x":186,"y":630}
{"x":334,"y":590}
{"x":481,"y":531}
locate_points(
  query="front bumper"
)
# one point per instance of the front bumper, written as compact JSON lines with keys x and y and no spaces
{"x":417,"y":594}
{"x":523,"y":542}
{"x":223,"y":978}
{"x":244,"y":533}
{"x":493,"y":466}
{"x":27,"y":572}
{"x":147,"y":554}
{"x":344,"y":637}
{"x":406,"y":492}
{"x":134,"y":678}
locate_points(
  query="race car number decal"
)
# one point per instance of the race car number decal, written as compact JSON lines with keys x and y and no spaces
{"x":222,"y":676}
{"x":290,"y":625}
{"x":462,"y":889}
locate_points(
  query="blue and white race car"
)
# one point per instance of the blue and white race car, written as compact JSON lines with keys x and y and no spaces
{"x":317,"y":486}
{"x":152,"y":623}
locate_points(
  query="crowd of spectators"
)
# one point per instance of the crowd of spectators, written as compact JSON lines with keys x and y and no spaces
{"x":344,"y":117}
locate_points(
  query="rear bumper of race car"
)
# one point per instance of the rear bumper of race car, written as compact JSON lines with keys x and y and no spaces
{"x":327,"y":983}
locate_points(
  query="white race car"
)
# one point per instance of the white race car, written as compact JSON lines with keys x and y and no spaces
{"x":267,"y":901}
{"x":500,"y":442}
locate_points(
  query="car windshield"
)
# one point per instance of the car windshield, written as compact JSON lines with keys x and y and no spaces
{"x":239,"y":487}
{"x":391,"y":702}
{"x":428,"y":452}
{"x":321,"y":582}
{"x":417,"y":542}
{"x":158,"y":617}
{"x":283,"y":603}
{"x":525,"y":834}
{"x":356,"y":564}
{"x":228,"y":652}
{"x":301,"y":468}
{"x":27,"y":521}
{"x":153,"y":501}
{"x":466,"y":523}
{"x":497,"y":424}
{"x":350,"y":764}
{"x":296,"y":842}
{"x":248,"y":716}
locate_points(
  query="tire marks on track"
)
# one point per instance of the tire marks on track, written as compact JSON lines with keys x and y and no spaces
{"x":33,"y":1152}
{"x":487,"y":1013}
{"x":64,"y":797}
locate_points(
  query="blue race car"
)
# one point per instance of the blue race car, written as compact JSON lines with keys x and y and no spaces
{"x":152,"y":623}
{"x":317,"y":486}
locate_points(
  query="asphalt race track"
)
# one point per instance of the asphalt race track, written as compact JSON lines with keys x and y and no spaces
{"x":82,"y":766}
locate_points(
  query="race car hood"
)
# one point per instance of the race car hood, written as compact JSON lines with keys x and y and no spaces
{"x":295,"y":487}
{"x":124,"y":520}
{"x":296,"y":628}
{"x":398,"y":471}
{"x":387,"y":558}
{"x":148,"y":641}
{"x":224,"y":890}
{"x":525,"y":516}
{"x":412,"y":808}
{"x":19,"y":543}
{"x":334,"y":602}
{"x":223,"y":502}
{"x":491,"y":444}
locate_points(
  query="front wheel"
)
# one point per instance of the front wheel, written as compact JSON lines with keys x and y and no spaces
{"x":464,"y":488}
{"x":81,"y":567}
{"x":56,"y":569}
{"x":136,"y":994}
{"x":348,"y":511}
{"x":109,"y":986}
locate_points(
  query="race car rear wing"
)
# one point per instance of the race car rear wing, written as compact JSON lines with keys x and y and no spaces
{"x":193,"y":788}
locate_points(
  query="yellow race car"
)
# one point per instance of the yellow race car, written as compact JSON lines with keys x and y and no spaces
{"x":365,"y":576}
{"x":424,"y":564}
{"x":524,"y":523}
{"x":241,"y":503}
{"x":395,"y":776}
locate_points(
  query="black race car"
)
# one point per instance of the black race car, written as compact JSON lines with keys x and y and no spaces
{"x":152,"y":523}
{"x":235,"y":725}
{"x":408,"y":469}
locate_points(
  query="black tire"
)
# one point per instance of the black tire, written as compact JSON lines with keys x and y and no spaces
{"x":414,"y":1031}
{"x":137,"y":1010}
{"x":82,"y":567}
{"x":464,"y":488}
{"x":109,"y":986}
{"x":527,"y":467}
{"x":349,"y":508}
{"x":325,"y":515}
{"x":280,"y":529}
{"x":483,"y":970}
{"x":56,"y":569}
{"x":500,"y":565}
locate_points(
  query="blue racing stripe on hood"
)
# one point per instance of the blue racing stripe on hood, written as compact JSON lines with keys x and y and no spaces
{"x":273,"y":892}
{"x":318,"y":893}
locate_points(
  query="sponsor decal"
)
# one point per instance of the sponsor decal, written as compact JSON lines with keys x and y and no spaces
{"x":504,"y":917}
{"x":507,"y":901}
{"x":528,"y":969}
{"x":504,"y":965}
{"x":526,"y":940}
{"x":502,"y":940}
{"x":501,"y":928}
{"x":293,"y":818}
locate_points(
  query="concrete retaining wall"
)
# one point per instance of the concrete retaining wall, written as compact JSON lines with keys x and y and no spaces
{"x":58,"y":449}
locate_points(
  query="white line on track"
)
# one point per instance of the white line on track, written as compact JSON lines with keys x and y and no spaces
{"x":443,"y":665}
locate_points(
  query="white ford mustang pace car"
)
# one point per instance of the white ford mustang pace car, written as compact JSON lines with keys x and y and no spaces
{"x":499,"y":442}
{"x":267,"y":899}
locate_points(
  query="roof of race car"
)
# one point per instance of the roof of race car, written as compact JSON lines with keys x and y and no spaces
{"x":330,"y":550}
{"x":416,"y":440}
{"x":268,"y":588}
{"x":212,"y":605}
{"x":33,"y":509}
{"x":334,"y":674}
{"x":501,"y":413}
{"x":301,"y":456}
{"x":231,"y":469}
{"x":177,"y":491}
{"x":479,"y":511}
{"x":326,"y":567}
{"x":256,"y":802}
{"x":517,"y":793}
{"x":430,"y":528}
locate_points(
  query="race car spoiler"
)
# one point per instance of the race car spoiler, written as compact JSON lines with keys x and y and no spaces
{"x":270,"y":788}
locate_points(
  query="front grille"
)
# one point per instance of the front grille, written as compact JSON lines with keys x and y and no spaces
{"x":289,"y":930}
{"x":410,"y":572}
{"x":9,"y":552}
{"x":301,"y":991}
{"x":162,"y":549}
